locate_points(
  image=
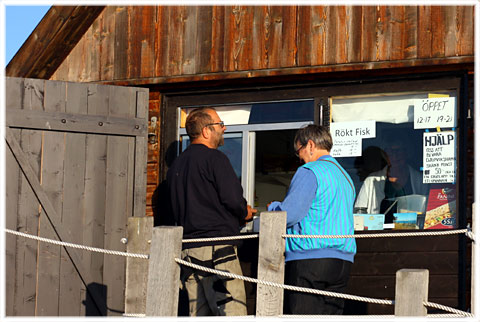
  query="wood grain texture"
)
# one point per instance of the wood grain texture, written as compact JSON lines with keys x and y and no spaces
{"x":410,"y":35}
{"x":369,"y":40}
{"x":13,"y":181}
{"x":438,"y":31}
{"x":465,"y":43}
{"x":121,"y":43}
{"x":354,"y":28}
{"x":397,"y":26}
{"x":139,"y":234}
{"x":218,"y":37}
{"x":319,"y":36}
{"x":140,"y":42}
{"x":52,"y":40}
{"x":203,"y":63}
{"x":29,"y":211}
{"x":52,"y":179}
{"x":70,"y":294}
{"x":271,"y":262}
{"x":424,"y":32}
{"x":122,"y":102}
{"x":260,"y":35}
{"x":175,"y":43}
{"x":411,"y":290}
{"x":304,"y":38}
{"x":163,"y":272}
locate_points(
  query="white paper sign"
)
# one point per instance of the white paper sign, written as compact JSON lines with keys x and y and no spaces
{"x":434,"y":112}
{"x":346,"y":148}
{"x":439,"y":157}
{"x":350,"y":130}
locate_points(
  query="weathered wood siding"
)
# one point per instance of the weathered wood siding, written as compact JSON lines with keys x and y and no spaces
{"x":143,"y":42}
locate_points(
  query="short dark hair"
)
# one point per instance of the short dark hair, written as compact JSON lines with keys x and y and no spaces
{"x":320,"y":135}
{"x":197,"y":120}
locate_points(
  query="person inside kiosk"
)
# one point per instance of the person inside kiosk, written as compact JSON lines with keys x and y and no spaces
{"x":387,"y":175}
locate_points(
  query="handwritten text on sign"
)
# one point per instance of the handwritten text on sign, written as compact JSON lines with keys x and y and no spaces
{"x":347,"y":137}
{"x":347,"y":148}
{"x":439,"y":160}
{"x":434,"y":112}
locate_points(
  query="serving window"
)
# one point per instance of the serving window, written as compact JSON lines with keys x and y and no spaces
{"x":401,"y":151}
{"x":402,"y":140}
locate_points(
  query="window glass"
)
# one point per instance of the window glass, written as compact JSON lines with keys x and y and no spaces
{"x":402,"y":158}
{"x":259,"y":113}
{"x":277,"y":112}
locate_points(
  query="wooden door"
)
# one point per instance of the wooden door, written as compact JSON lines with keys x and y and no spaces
{"x":75,"y":171}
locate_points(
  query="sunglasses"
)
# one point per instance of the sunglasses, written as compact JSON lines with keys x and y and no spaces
{"x":221,"y":123}
{"x":298,"y":150}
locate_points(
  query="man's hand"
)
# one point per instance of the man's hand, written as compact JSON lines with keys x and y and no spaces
{"x":250,"y":212}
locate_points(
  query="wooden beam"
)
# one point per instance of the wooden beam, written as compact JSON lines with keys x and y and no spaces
{"x":50,"y":213}
{"x":308,"y":73}
{"x":52,"y":40}
{"x":69,"y":122}
{"x":141,"y":152}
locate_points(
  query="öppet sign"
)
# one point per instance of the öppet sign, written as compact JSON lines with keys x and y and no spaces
{"x":434,"y":112}
{"x":439,"y":158}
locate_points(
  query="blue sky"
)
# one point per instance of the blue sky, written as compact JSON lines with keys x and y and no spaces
{"x":20,"y":22}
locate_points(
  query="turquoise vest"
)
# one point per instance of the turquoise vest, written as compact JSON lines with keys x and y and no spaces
{"x":331,"y":213}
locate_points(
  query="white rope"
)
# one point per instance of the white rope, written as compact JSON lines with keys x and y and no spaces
{"x":406,"y":234}
{"x":134,"y":315}
{"x":448,"y":309}
{"x":93,"y":249}
{"x":196,"y":240}
{"x":467,"y":232}
{"x":314,"y":291}
{"x":287,"y":287}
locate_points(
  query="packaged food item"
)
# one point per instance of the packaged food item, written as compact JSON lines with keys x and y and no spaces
{"x":442,"y":208}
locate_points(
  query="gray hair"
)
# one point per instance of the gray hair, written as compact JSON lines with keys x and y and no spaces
{"x":320,"y":135}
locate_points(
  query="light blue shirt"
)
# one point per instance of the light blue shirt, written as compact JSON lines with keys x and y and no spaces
{"x":299,"y":196}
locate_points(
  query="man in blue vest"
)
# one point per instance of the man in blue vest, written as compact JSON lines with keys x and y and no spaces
{"x":319,"y":201}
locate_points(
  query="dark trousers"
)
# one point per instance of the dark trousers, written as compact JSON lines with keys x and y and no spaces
{"x":328,"y":274}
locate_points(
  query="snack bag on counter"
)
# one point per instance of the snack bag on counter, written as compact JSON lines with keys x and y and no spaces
{"x":442,"y":208}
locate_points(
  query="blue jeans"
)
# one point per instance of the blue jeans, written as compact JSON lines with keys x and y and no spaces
{"x":328,"y":274}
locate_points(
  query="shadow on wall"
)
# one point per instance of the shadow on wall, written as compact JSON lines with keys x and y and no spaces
{"x":162,"y":216}
{"x":91,"y":307}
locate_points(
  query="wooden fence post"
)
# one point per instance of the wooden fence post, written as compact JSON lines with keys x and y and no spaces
{"x":411,"y":290}
{"x":164,"y":272}
{"x":139,"y":238}
{"x":271,"y":262}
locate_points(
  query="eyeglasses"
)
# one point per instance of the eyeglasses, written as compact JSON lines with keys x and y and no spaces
{"x":298,"y":150}
{"x":221,"y":123}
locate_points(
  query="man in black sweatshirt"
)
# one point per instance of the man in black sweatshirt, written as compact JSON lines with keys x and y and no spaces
{"x":206,"y":198}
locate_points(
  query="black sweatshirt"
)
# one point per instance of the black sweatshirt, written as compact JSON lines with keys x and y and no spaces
{"x":205,"y":194}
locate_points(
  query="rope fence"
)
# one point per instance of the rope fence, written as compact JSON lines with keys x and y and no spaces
{"x":92,"y":249}
{"x":455,"y":312}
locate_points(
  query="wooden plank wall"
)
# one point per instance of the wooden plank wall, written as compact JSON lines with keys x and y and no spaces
{"x":89,"y":180}
{"x":141,"y":42}
{"x":378,"y":259}
{"x":138,"y":42}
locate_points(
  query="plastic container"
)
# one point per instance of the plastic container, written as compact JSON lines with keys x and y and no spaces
{"x":411,"y":203}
